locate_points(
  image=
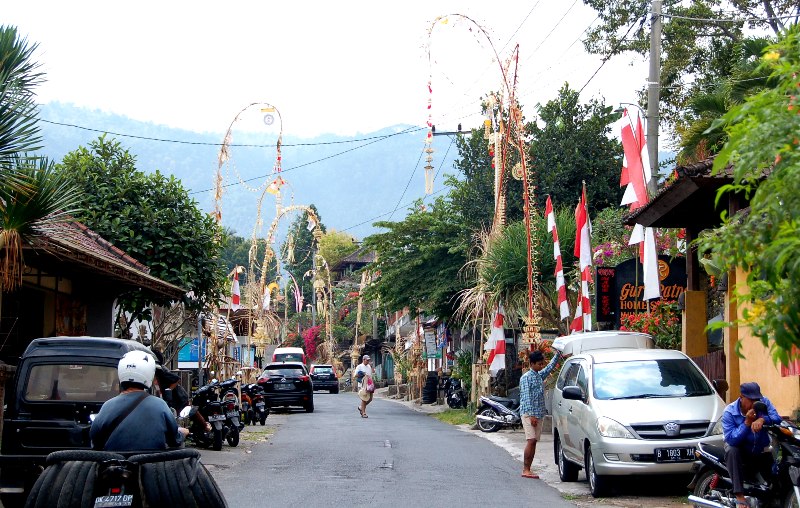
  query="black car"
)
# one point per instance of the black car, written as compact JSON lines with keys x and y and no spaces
{"x":324,"y":378}
{"x":287,"y":384}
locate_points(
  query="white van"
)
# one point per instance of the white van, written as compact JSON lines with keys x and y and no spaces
{"x":289,"y":354}
{"x":623,"y":408}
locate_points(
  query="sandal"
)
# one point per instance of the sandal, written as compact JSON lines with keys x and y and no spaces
{"x":360,"y":412}
{"x":364,"y":415}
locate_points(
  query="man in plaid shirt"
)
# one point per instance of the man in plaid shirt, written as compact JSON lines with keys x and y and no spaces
{"x":531,"y":404}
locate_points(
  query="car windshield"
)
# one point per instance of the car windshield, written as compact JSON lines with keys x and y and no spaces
{"x":648,"y":379}
{"x":85,"y":383}
{"x":283,"y":371}
{"x":323,"y":370}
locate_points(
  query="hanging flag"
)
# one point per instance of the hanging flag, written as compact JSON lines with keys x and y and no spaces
{"x":561,"y":288}
{"x":583,"y":251}
{"x":496,"y":345}
{"x":235,"y":295}
{"x":648,"y":256}
{"x":634,"y":175}
{"x":276,"y":185}
{"x":267,"y":299}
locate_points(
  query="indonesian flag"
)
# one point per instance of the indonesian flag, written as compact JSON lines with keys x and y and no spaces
{"x":561,"y":288}
{"x":583,"y":251}
{"x":648,"y":255}
{"x":235,"y":294}
{"x":635,"y":163}
{"x":496,"y":345}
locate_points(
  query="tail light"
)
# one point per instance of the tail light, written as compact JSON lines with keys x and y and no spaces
{"x":304,"y":378}
{"x":231,"y":406}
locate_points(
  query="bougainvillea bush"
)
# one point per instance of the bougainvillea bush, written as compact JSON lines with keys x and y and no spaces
{"x":311,"y":340}
{"x":663,"y":323}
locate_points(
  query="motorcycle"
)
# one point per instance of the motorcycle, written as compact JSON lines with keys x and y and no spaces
{"x":258,"y":410}
{"x":230,"y":404}
{"x":779,"y":487}
{"x":455,"y":395}
{"x":495,"y":413}
{"x":206,"y":401}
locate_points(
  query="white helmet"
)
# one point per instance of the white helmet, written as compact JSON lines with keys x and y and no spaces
{"x":137,"y":367}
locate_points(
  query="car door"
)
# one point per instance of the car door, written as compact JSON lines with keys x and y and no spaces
{"x":563,"y":407}
{"x":579,"y":416}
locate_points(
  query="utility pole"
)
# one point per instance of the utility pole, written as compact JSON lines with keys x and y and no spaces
{"x":654,"y":92}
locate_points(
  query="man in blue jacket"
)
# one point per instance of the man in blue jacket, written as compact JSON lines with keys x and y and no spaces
{"x":745,"y":439}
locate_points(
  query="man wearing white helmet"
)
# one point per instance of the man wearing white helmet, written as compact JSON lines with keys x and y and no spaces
{"x":134,"y":420}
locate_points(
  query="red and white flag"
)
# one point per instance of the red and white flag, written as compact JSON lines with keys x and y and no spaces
{"x":496,"y":344}
{"x":648,"y":256}
{"x":235,"y":294}
{"x":635,"y":163}
{"x":583,"y":251}
{"x":561,"y":287}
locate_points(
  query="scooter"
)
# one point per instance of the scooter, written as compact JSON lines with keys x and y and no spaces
{"x":258,"y":411}
{"x":495,"y":413}
{"x":206,"y":401}
{"x":779,"y":487}
{"x":455,"y":395}
{"x":230,"y":404}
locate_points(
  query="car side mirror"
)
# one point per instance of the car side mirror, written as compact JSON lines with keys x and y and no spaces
{"x":573,"y":393}
{"x":721,"y":385}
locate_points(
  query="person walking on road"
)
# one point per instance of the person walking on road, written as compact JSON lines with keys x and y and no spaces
{"x":531,"y":405}
{"x":366,"y":385}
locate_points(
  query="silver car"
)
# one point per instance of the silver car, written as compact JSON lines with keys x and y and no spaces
{"x":631,"y":411}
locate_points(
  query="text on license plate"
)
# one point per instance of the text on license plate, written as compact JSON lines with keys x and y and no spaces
{"x":674,"y":454}
{"x":216,"y":418}
{"x":259,"y":404}
{"x":113,"y":501}
{"x":233,"y":414}
{"x":284,"y":386}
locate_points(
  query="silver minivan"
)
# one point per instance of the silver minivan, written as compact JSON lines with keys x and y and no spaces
{"x":623,"y":408}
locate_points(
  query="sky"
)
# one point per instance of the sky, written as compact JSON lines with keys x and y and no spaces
{"x":342,"y":68}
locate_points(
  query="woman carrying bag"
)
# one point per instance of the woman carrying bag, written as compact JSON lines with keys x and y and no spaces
{"x":366,"y":385}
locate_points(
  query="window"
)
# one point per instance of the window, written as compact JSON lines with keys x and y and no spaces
{"x":284,"y":371}
{"x":85,"y":383}
{"x":568,"y":375}
{"x":677,"y":377}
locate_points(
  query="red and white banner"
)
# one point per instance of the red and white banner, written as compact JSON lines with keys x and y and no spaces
{"x":561,"y":287}
{"x":635,"y":163}
{"x":583,"y":251}
{"x":646,"y":239}
{"x":235,"y":294}
{"x":496,"y":344}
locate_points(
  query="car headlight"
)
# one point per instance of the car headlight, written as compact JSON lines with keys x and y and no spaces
{"x":716,"y":430}
{"x":610,"y":428}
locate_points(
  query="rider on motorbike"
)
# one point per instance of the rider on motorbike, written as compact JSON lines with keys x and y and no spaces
{"x":745,"y":440}
{"x":134,"y":420}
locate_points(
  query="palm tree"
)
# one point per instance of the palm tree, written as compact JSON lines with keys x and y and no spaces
{"x":32,"y":196}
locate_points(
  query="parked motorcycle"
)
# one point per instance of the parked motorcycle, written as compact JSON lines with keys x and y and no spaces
{"x":258,"y":410}
{"x":779,"y":487}
{"x":230,"y":404}
{"x":206,"y":401}
{"x":495,"y":413}
{"x":455,"y":395}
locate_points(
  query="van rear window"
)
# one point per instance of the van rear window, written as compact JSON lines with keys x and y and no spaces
{"x":85,"y":383}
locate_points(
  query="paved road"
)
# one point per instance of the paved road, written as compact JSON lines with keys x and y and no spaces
{"x":397,"y":457}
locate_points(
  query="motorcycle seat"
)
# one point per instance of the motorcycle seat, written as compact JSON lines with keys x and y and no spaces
{"x":509,"y":403}
{"x":716,"y":451}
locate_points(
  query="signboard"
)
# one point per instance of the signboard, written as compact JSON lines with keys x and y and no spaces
{"x":605,"y":291}
{"x":629,"y":285}
{"x":187,"y":354}
{"x":430,"y":350}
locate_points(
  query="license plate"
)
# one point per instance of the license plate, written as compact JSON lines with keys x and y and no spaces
{"x":113,"y":501}
{"x":216,"y":418}
{"x":283,"y":386}
{"x":260,"y":404}
{"x":233,"y":414}
{"x":674,"y":454}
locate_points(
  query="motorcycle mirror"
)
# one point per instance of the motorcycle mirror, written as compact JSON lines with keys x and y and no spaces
{"x":184,"y":412}
{"x":760,"y":407}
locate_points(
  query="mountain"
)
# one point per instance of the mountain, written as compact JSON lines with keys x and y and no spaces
{"x":353,"y":182}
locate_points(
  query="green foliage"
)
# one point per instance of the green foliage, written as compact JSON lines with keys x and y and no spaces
{"x":571,"y":145}
{"x":335,"y":246}
{"x":419,"y":260}
{"x":301,"y":247}
{"x":763,"y":140}
{"x":663,"y":322}
{"x":456,"y":416}
{"x":462,"y":369}
{"x":19,"y":76}
{"x":236,"y":252}
{"x":151,"y":218}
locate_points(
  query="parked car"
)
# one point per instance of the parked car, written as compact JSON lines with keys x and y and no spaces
{"x":60,"y":383}
{"x":287,"y":384}
{"x":626,"y":410}
{"x":324,"y":377}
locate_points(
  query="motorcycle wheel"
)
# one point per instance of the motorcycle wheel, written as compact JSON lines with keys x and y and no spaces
{"x":233,"y":436}
{"x":791,"y":500}
{"x":703,"y":485}
{"x":488,"y":426}
{"x":216,"y":445}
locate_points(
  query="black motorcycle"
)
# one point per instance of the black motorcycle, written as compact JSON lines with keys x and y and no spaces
{"x":229,"y":395}
{"x":495,"y":413}
{"x":775,"y":488}
{"x":206,"y":401}
{"x":455,"y":395}
{"x":257,"y":407}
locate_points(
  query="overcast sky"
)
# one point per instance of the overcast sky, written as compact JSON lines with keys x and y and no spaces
{"x":329,"y":67}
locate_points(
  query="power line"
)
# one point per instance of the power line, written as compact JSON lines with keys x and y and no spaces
{"x":203,"y":143}
{"x":407,"y":183}
{"x":368,"y":221}
{"x":609,"y":55}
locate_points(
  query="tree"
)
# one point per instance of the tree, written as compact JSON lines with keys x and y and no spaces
{"x":298,"y":251}
{"x":32,"y":197}
{"x":236,"y":252}
{"x":570,"y":144}
{"x":698,"y":39}
{"x":762,"y":148}
{"x":335,"y":246}
{"x":419,"y":260}
{"x":150,"y":217}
